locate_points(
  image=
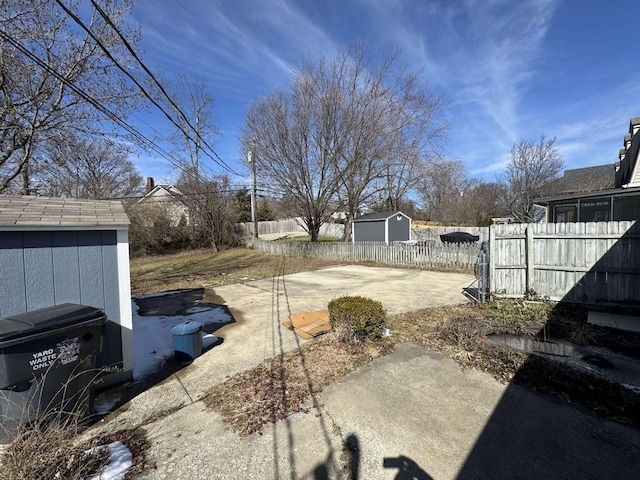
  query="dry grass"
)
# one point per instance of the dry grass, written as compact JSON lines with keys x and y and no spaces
{"x":287,"y":383}
{"x":195,"y":268}
{"x":49,"y":453}
{"x":39,"y":452}
{"x":47,"y":441}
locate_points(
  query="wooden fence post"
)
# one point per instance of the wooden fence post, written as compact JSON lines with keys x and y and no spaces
{"x":493,"y":251}
{"x":529,"y":260}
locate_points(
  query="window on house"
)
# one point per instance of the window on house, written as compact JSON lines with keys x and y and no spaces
{"x":595,"y":209}
{"x":566,"y":213}
{"x":626,"y":208}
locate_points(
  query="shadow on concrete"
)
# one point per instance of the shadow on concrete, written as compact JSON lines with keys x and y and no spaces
{"x":533,"y":436}
{"x":407,"y":468}
{"x":351,"y":462}
{"x":331,"y":465}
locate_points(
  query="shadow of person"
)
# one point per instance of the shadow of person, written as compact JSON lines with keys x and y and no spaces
{"x":352,"y":449}
{"x":351,"y":454}
{"x":407,"y":468}
{"x":321,"y":472}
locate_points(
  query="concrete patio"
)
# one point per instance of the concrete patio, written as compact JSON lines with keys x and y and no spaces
{"x":413,"y":412}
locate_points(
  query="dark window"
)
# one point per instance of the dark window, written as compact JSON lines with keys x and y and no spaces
{"x":626,"y":208}
{"x":595,"y":209}
{"x":564,"y":213}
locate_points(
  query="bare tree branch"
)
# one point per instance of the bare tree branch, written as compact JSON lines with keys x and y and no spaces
{"x":36,"y":103}
{"x":532,"y":166}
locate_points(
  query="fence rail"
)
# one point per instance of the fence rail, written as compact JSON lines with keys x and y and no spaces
{"x":576,"y":262}
{"x":460,"y":256}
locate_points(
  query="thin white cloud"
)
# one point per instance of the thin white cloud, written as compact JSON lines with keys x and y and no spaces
{"x":238,"y":45}
{"x":483,"y":52}
{"x":490,"y":57}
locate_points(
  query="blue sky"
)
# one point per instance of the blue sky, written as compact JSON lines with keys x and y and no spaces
{"x":510,"y":69}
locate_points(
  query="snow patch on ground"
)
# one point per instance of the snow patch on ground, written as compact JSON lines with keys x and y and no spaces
{"x":120,"y":461}
{"x":209,"y":339}
{"x":152,"y":339}
{"x":106,"y":406}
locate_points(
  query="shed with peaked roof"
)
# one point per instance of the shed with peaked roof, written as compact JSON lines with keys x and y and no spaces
{"x":385,"y":227}
{"x":62,"y":250}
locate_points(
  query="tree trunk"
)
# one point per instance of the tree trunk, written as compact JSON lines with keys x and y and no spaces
{"x":214,"y":242}
{"x":348,"y":226}
{"x":313,"y":227}
{"x":314,"y":232}
{"x":25,"y":188}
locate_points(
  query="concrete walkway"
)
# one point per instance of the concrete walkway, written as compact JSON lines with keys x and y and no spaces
{"x":410,"y":413}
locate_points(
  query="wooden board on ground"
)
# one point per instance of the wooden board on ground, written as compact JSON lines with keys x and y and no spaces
{"x":309,"y":324}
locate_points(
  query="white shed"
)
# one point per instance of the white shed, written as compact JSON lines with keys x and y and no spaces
{"x":62,"y":250}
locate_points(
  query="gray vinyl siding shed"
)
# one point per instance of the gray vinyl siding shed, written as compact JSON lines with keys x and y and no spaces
{"x":56,"y":250}
{"x":385,"y":227}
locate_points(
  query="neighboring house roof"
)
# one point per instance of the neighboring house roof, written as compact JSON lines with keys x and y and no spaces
{"x":30,"y":211}
{"x":375,"y":217}
{"x":619,"y":178}
{"x":587,"y":179}
{"x":164,"y":190}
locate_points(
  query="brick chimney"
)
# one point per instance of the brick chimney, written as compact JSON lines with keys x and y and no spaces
{"x":150,"y":184}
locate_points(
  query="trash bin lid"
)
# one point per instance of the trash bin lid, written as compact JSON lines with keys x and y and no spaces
{"x":45,"y":319}
{"x":187,"y":328}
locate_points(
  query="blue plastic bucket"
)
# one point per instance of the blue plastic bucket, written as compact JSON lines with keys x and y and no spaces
{"x":187,"y":341}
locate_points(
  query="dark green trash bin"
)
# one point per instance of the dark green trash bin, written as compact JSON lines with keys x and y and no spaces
{"x":47,"y":364}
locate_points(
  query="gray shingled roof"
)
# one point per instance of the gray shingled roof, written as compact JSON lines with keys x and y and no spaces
{"x":28,"y":211}
{"x":586,"y":179}
{"x":374,"y":217}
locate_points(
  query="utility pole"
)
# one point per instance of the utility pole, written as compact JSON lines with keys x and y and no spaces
{"x":254,"y":217}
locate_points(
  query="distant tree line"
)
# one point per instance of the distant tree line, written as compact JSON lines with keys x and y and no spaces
{"x":345,"y":136}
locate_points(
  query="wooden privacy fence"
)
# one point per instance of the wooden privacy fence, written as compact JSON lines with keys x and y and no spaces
{"x":576,"y":262}
{"x":335,"y":230}
{"x":461,"y":256}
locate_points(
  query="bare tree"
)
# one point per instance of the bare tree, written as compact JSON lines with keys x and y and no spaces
{"x":296,"y":143}
{"x":48,"y":69}
{"x":212,"y":210}
{"x":211,"y":207}
{"x":196,"y":128}
{"x":343,"y":132}
{"x":532,"y":165}
{"x":443,"y":187}
{"x":95,"y":168}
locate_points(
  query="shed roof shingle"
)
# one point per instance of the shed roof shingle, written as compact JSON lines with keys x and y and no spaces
{"x":26,"y":210}
{"x":374,"y":217}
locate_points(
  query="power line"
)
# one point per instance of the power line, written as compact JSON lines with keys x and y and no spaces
{"x":95,"y":103}
{"x":133,"y":53}
{"x":137,"y":83}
